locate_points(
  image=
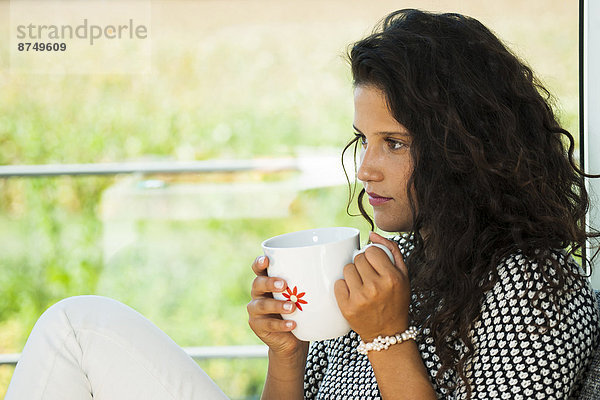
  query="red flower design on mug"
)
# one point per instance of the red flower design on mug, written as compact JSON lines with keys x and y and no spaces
{"x":295,"y":297}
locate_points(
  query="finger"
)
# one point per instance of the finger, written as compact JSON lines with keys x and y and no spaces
{"x":393,"y":247}
{"x":352,"y":277}
{"x":341,"y":291}
{"x":260,"y":264}
{"x":379,"y":261}
{"x":271,"y":325}
{"x":364,"y":268}
{"x":264,"y":284}
{"x":268,"y":306}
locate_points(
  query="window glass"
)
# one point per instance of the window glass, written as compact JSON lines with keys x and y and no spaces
{"x":229,"y":80}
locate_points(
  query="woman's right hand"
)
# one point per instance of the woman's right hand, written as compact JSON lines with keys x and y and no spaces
{"x":287,"y":354}
{"x":264,"y":314}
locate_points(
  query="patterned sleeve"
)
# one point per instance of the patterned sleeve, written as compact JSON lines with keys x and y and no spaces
{"x":513,"y":358}
{"x":316,"y":364}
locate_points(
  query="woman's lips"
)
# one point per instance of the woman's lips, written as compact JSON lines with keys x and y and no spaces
{"x":377,"y":200}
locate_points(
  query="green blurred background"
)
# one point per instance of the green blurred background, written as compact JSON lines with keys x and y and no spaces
{"x":230,"y":80}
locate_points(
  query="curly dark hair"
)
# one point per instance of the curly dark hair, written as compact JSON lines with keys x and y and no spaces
{"x":494,"y":172}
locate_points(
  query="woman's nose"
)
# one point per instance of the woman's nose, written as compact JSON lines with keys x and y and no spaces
{"x":369,"y":169}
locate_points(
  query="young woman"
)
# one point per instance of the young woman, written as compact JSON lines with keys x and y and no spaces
{"x":460,"y":152}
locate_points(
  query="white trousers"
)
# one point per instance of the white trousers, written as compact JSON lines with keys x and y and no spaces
{"x":92,"y":347}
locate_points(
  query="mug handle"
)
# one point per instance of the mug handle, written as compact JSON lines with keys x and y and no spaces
{"x":382,"y":247}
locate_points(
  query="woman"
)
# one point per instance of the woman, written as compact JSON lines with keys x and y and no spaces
{"x":461,"y":150}
{"x":461,"y":153}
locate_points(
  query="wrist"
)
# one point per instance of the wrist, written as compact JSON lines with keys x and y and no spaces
{"x":384,"y":342}
{"x":288,"y":366}
{"x":285,"y":375}
{"x":388,"y":331}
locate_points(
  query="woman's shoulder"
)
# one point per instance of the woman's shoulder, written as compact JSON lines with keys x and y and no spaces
{"x":540,"y":318}
{"x":554,"y":285}
{"x":554,"y":268}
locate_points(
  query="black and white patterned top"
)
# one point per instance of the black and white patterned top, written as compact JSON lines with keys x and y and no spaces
{"x":512,"y":359}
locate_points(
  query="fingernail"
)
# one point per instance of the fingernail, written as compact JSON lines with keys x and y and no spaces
{"x":287,"y":306}
{"x":289,"y":324}
{"x":278,"y":284}
{"x":261,"y":260}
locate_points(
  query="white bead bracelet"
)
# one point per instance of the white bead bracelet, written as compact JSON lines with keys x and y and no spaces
{"x":382,"y":343}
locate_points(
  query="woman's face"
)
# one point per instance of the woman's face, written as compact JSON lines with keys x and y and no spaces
{"x":385,"y":161}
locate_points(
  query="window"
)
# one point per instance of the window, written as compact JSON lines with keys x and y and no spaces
{"x":230,"y":80}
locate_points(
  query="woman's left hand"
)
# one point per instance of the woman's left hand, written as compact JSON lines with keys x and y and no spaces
{"x":375,"y":294}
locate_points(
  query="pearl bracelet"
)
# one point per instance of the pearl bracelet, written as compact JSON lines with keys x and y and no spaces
{"x":382,"y":343}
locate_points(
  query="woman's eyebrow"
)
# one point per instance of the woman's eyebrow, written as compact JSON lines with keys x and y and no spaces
{"x":401,"y":133}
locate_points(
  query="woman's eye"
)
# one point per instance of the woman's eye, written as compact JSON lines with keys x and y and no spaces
{"x":361,"y":139}
{"x":394,"y":144}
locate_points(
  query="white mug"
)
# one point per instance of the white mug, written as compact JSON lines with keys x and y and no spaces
{"x":311,"y":261}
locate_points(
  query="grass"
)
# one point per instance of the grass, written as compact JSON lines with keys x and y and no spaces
{"x":232,"y":79}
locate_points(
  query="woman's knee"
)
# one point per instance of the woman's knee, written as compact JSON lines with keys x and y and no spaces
{"x":94,"y":317}
{"x":87,"y":302}
{"x":85,"y":310}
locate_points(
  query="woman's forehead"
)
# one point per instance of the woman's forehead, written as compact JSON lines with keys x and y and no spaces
{"x":372,"y":113}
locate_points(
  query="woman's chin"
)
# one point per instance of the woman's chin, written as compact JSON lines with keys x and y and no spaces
{"x":390,"y":226}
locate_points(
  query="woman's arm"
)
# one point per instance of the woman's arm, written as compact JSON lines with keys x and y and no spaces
{"x":285,"y":376}
{"x":287,"y":354}
{"x":374,"y":297}
{"x":400,"y":372}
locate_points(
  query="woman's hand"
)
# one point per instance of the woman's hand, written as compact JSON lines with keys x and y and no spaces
{"x":264,"y":313}
{"x":375,"y":294}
